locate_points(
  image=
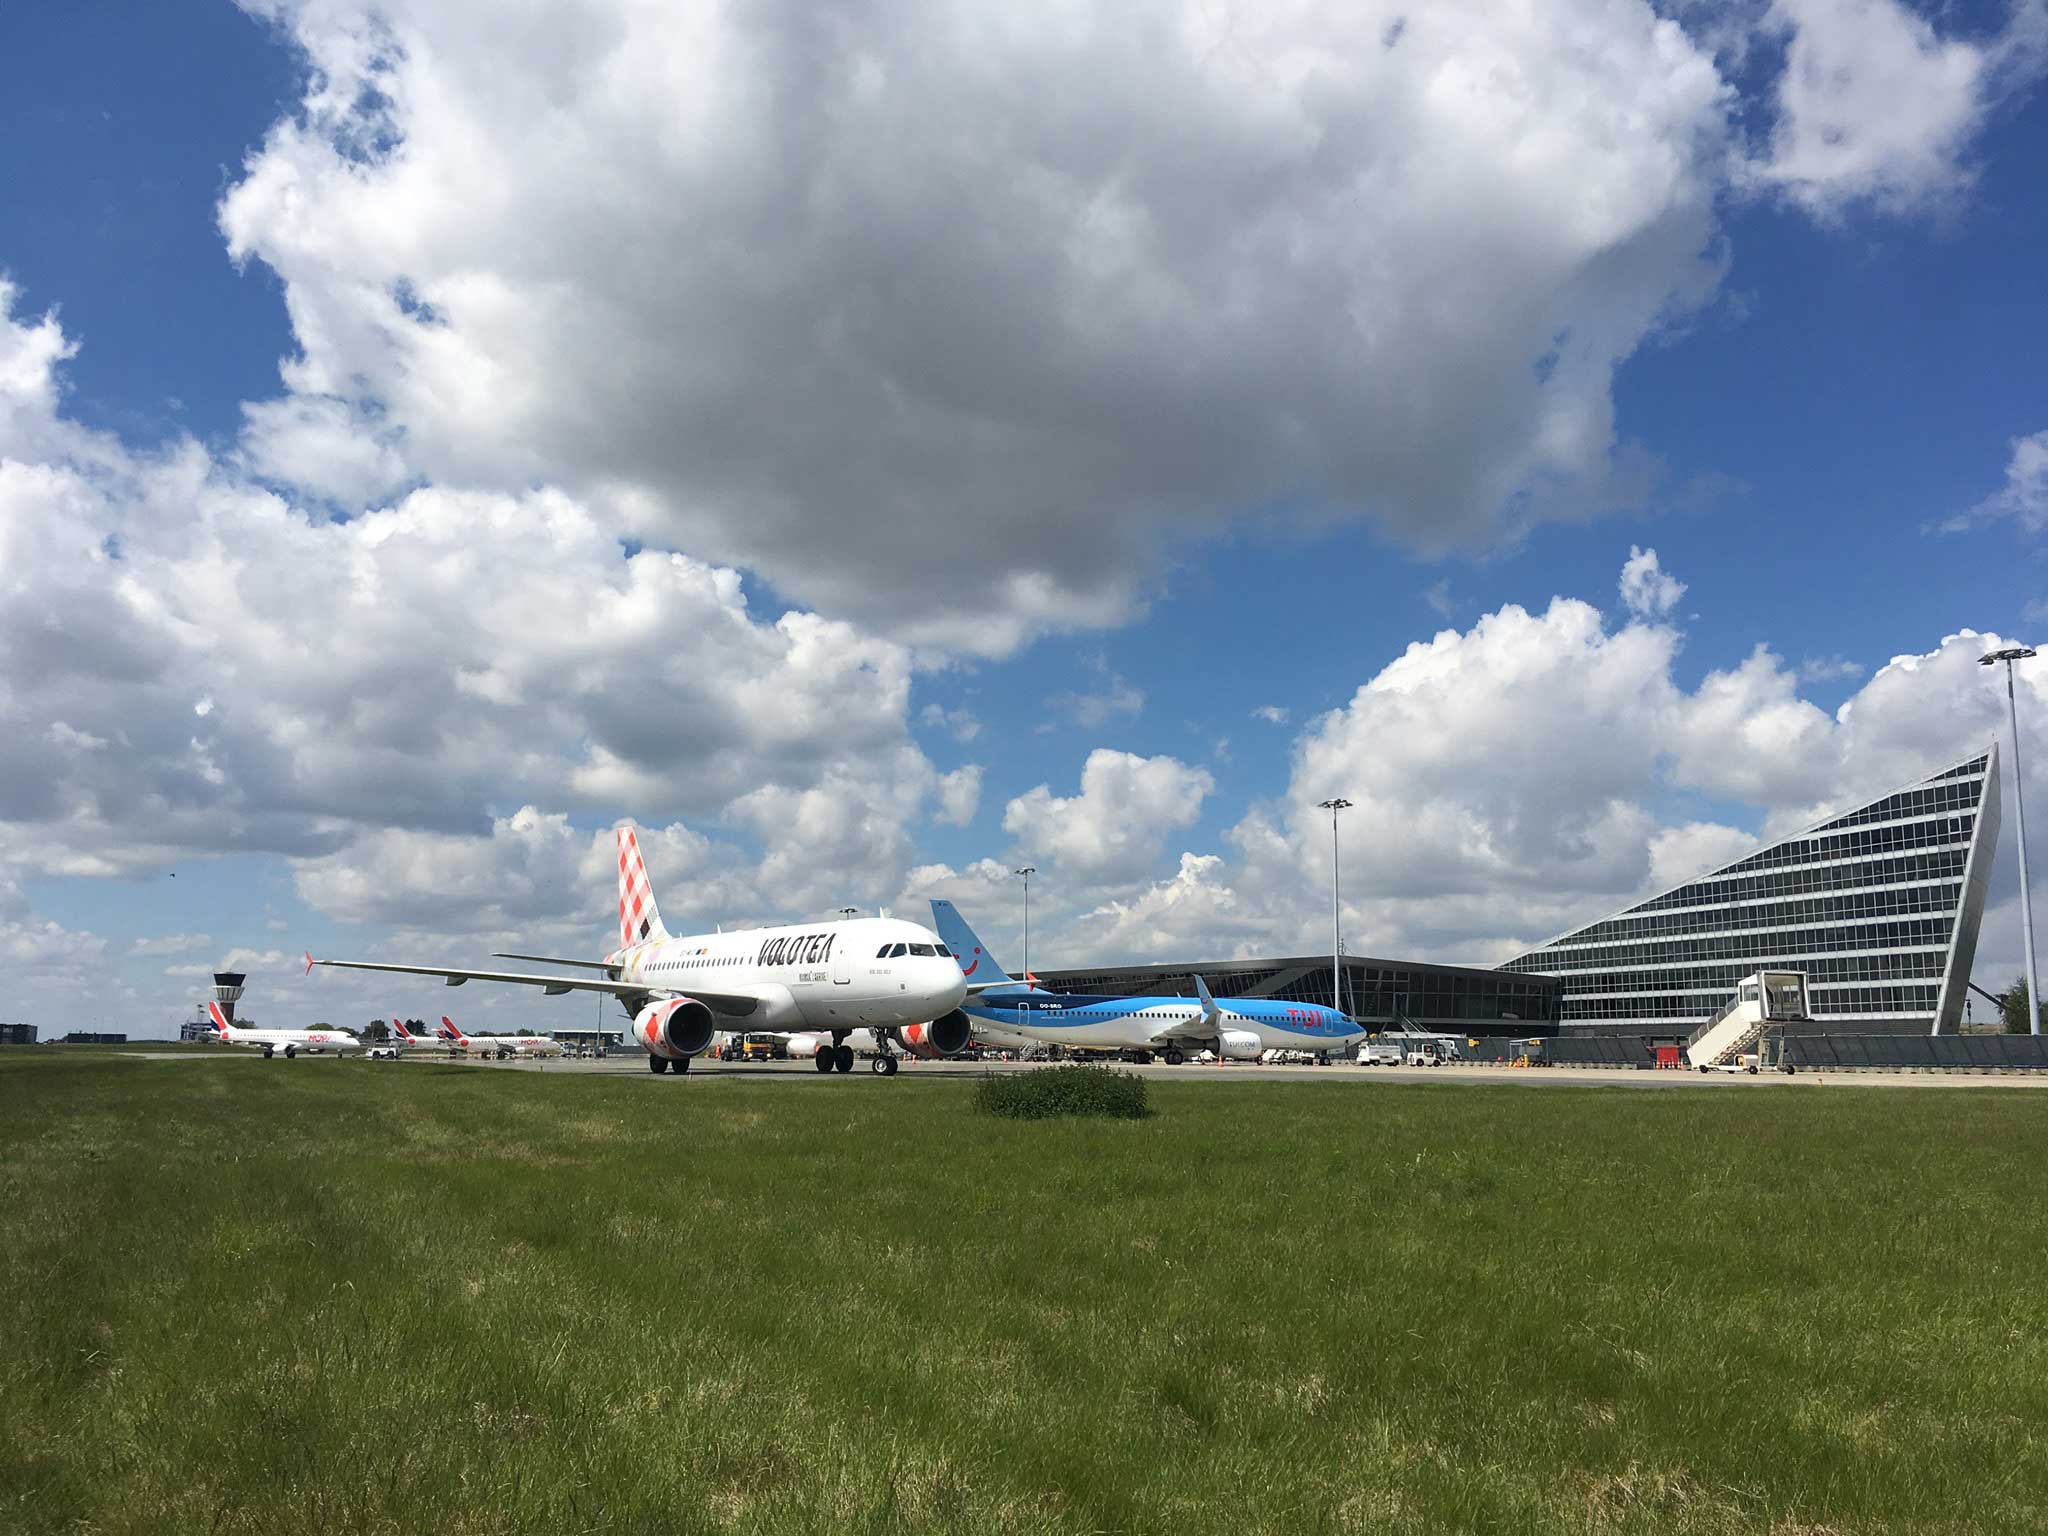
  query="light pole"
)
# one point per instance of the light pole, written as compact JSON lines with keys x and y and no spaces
{"x":2019,"y":806}
{"x":849,"y":911}
{"x":1333,"y":806}
{"x":1027,"y":872}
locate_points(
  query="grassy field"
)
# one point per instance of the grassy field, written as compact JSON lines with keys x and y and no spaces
{"x":239,"y":1296}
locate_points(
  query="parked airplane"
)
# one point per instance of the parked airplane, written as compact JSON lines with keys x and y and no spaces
{"x":680,"y":992}
{"x":1237,"y":1031}
{"x":408,"y":1041}
{"x":502,"y":1045}
{"x":291,"y":1042}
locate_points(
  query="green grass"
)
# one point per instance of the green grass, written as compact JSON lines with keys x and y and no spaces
{"x":238,"y":1296}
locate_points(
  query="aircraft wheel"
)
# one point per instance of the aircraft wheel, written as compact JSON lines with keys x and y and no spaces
{"x":825,"y":1058}
{"x":656,"y":1064}
{"x":268,"y":1052}
{"x":842,"y":1058}
{"x":290,"y":1051}
{"x":683,"y":1065}
{"x":1174,"y":1058}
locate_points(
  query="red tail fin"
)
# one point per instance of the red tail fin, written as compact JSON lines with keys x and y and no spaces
{"x":403,"y":1033}
{"x":639,"y":919}
{"x":220,"y":1020}
{"x":449,"y":1031}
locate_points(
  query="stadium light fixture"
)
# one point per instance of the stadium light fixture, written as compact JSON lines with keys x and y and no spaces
{"x":1027,"y":872}
{"x":1333,"y":806}
{"x":2009,"y":655}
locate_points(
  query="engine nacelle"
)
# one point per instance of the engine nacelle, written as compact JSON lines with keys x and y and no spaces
{"x":676,"y":1028}
{"x":947,"y":1036}
{"x":1239,"y":1045}
{"x":804,"y":1047}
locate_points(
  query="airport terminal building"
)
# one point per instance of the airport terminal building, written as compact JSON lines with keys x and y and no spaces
{"x":1879,"y":906}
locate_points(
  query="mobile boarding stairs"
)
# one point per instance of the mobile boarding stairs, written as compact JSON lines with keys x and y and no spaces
{"x":1762,"y":1002}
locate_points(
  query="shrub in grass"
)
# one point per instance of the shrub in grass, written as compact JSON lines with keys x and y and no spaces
{"x":1071,"y":1090}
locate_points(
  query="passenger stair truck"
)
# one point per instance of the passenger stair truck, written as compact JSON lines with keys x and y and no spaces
{"x":1767,"y":1000}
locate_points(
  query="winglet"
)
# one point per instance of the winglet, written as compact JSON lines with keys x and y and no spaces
{"x":309,"y":962}
{"x":1210,"y":1012}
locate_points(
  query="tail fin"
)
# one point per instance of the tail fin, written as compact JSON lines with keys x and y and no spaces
{"x":639,"y":918}
{"x":403,"y":1033}
{"x":976,"y":963}
{"x":220,"y":1020}
{"x":1210,"y":1012}
{"x":449,"y":1031}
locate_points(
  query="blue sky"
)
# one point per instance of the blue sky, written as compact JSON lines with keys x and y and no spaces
{"x":1820,"y":339}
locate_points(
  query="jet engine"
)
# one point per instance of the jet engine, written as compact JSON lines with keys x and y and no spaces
{"x":676,"y":1028}
{"x":1240,"y":1045}
{"x":804,"y":1047}
{"x":946,"y":1036}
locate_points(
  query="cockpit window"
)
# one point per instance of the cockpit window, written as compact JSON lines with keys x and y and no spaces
{"x":942,"y":952}
{"x":921,"y":949}
{"x":882,"y":953}
{"x":896,"y":951}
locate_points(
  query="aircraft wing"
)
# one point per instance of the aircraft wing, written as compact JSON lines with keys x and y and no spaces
{"x":737,"y":1005}
{"x":1203,"y":1026}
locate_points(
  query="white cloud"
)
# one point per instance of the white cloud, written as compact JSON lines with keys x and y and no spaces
{"x":1829,"y":669}
{"x":1272,"y":714}
{"x":1115,"y":828}
{"x":329,"y":448}
{"x":1647,"y":591}
{"x":170,"y":944}
{"x":961,"y":723}
{"x":1531,"y":773}
{"x":2023,"y":497}
{"x":866,"y":300}
{"x":1876,"y":107}
{"x":959,"y":795}
{"x":1438,"y":595}
{"x":1097,"y":707}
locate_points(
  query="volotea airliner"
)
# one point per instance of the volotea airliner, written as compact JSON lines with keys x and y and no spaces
{"x":832,"y":978}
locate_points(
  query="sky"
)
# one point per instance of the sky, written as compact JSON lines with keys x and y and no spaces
{"x":876,"y":448}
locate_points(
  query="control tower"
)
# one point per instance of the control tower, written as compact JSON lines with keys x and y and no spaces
{"x":227,"y":991}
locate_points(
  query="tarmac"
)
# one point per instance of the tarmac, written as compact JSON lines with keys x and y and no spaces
{"x":633,"y":1064}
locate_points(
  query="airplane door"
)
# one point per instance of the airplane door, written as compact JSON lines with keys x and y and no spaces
{"x":842,"y":968}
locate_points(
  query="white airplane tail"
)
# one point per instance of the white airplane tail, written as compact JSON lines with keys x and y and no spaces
{"x":639,"y":918}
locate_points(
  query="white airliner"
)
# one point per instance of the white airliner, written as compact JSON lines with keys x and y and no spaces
{"x":290,"y":1042}
{"x":408,"y":1041}
{"x":503,"y":1045}
{"x":831,"y":978}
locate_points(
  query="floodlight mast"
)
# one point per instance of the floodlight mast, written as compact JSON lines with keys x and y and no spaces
{"x":2010,"y":655}
{"x":1027,"y":872}
{"x":1333,"y":806}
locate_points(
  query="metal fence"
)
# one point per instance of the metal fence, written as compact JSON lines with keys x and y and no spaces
{"x":1978,"y":1051}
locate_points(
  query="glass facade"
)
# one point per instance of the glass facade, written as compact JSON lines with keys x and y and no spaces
{"x":1879,"y":906}
{"x":1455,"y":999}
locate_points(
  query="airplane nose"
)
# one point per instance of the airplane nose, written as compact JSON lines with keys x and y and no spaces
{"x":953,"y":990}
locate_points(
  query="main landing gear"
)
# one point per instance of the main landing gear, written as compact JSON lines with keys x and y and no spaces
{"x":883,"y":1065}
{"x":659,"y":1064}
{"x":835,"y":1058}
{"x":1173,"y":1058}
